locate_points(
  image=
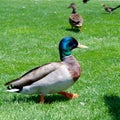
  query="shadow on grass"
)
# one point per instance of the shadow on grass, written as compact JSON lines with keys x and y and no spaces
{"x":73,"y":30}
{"x":55,"y":98}
{"x":113,"y":103}
{"x":106,"y":13}
{"x":36,"y":99}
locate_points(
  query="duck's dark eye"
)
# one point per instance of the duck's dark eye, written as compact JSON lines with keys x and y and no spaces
{"x":71,"y":44}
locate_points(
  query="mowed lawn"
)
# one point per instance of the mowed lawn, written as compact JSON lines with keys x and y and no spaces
{"x":30,"y":31}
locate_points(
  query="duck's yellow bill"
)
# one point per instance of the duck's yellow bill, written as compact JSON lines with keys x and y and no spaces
{"x":81,"y":46}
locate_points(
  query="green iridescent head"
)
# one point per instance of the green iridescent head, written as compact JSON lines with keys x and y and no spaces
{"x":66,"y":45}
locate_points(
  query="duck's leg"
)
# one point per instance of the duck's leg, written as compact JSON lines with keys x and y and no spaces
{"x":41,"y":98}
{"x":68,"y":95}
{"x":80,"y":28}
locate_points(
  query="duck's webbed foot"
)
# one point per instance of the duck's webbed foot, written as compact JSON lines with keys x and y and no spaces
{"x":68,"y":95}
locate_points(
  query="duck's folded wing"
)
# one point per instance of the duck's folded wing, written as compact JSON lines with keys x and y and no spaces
{"x":34,"y":74}
{"x":58,"y":80}
{"x":76,"y":18}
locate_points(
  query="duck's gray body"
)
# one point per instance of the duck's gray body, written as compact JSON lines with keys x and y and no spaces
{"x":60,"y":78}
{"x":50,"y":78}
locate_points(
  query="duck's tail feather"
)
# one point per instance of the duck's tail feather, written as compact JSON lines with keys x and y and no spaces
{"x":11,"y":88}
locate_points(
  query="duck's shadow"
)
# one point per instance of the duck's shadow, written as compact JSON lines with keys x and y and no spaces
{"x":113,"y":103}
{"x":106,"y":13}
{"x":73,"y":30}
{"x":36,"y":99}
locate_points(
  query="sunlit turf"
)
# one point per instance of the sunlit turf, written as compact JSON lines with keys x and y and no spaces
{"x":30,"y":31}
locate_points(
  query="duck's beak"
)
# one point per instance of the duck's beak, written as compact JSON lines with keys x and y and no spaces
{"x":81,"y":46}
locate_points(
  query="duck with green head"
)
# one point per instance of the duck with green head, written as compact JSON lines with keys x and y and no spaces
{"x":54,"y":77}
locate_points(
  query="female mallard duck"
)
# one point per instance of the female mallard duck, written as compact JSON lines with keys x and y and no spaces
{"x":51,"y":78}
{"x":75,"y":19}
{"x":110,"y":9}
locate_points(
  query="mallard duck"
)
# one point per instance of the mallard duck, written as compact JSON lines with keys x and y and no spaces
{"x":75,"y":19}
{"x":110,"y":9}
{"x":53,"y":77}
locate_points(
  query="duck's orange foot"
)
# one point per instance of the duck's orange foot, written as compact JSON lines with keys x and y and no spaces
{"x":68,"y":95}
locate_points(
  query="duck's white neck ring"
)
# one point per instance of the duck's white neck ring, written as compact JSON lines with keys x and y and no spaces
{"x":66,"y":57}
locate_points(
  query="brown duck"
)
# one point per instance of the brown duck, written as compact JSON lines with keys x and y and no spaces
{"x":110,"y":9}
{"x":75,"y":19}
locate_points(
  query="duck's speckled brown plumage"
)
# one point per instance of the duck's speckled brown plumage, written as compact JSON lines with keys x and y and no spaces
{"x":75,"y":19}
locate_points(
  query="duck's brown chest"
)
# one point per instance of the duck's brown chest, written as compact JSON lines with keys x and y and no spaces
{"x":73,"y":67}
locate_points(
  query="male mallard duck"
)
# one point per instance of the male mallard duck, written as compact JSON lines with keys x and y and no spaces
{"x":53,"y":77}
{"x":110,"y":9}
{"x":75,"y":19}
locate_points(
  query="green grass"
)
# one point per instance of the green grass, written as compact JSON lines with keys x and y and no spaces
{"x":30,"y":31}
